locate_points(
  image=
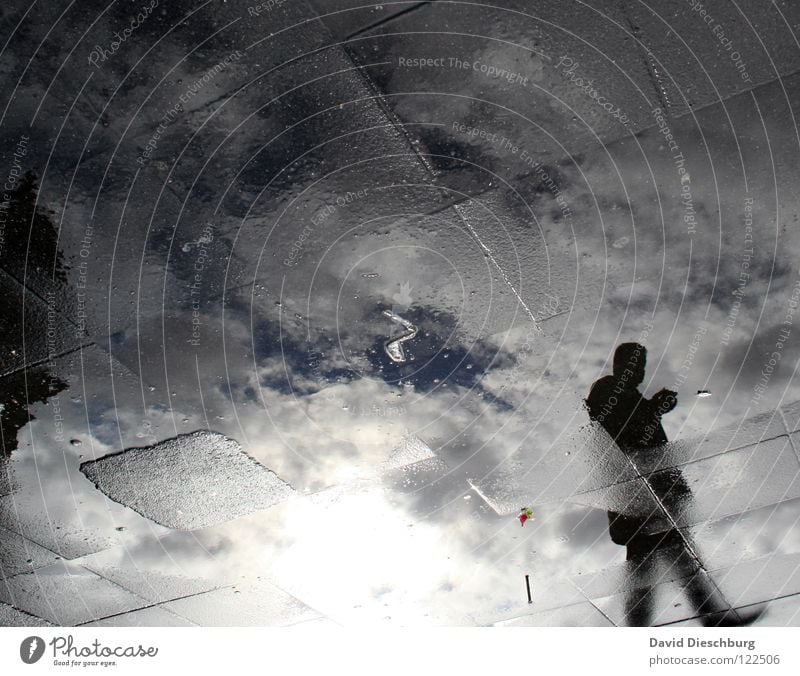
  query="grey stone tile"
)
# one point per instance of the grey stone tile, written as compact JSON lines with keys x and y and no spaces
{"x":770,"y":530}
{"x":759,"y":580}
{"x":672,"y":563}
{"x":292,"y":123}
{"x":693,"y":53}
{"x":67,"y":595}
{"x":737,"y":481}
{"x":218,"y":481}
{"x":633,"y":499}
{"x":782,"y":612}
{"x":571,"y":467}
{"x":320,"y":622}
{"x":669,"y":603}
{"x":155,"y":586}
{"x":11,"y":617}
{"x":750,"y":431}
{"x":791,"y":416}
{"x":18,"y":555}
{"x":428,"y":490}
{"x":578,"y":615}
{"x":347,"y":17}
{"x":26,"y":515}
{"x":548,"y":596}
{"x":412,"y":450}
{"x":51,"y":502}
{"x":44,"y":332}
{"x":539,"y":269}
{"x":250,"y":603}
{"x":541,"y":111}
{"x":6,"y":477}
{"x":154,"y":616}
{"x":415,"y":476}
{"x":30,"y":228}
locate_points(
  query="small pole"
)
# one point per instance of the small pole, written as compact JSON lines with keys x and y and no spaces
{"x":528,"y":587}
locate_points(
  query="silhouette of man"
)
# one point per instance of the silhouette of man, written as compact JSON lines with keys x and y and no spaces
{"x":634,"y":423}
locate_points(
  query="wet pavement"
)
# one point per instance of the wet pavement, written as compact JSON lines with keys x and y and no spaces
{"x":302,"y":302}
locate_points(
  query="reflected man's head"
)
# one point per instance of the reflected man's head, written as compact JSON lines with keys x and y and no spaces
{"x":629,"y":363}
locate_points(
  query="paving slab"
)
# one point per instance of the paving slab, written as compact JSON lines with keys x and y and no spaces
{"x":220,"y":481}
{"x":531,"y":98}
{"x":670,"y":561}
{"x":18,"y":555}
{"x":782,"y":612}
{"x":738,"y":481}
{"x":156,"y":579}
{"x":30,"y":253}
{"x":719,"y":50}
{"x":321,"y":622}
{"x":411,"y":451}
{"x":669,"y":603}
{"x":750,"y":431}
{"x":51,"y":502}
{"x":791,"y":416}
{"x":249,"y":603}
{"x":345,"y":18}
{"x":53,"y":531}
{"x":635,"y":499}
{"x":6,"y":478}
{"x":154,"y":616}
{"x":578,"y":615}
{"x":288,"y":116}
{"x":11,"y":617}
{"x":574,"y":465}
{"x":66,"y":595}
{"x":760,"y":580}
{"x":749,"y":535}
{"x":33,"y":331}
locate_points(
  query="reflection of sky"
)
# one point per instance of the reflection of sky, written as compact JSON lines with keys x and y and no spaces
{"x":485,"y":389}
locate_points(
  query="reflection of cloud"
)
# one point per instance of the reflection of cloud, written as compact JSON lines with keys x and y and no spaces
{"x":20,"y":392}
